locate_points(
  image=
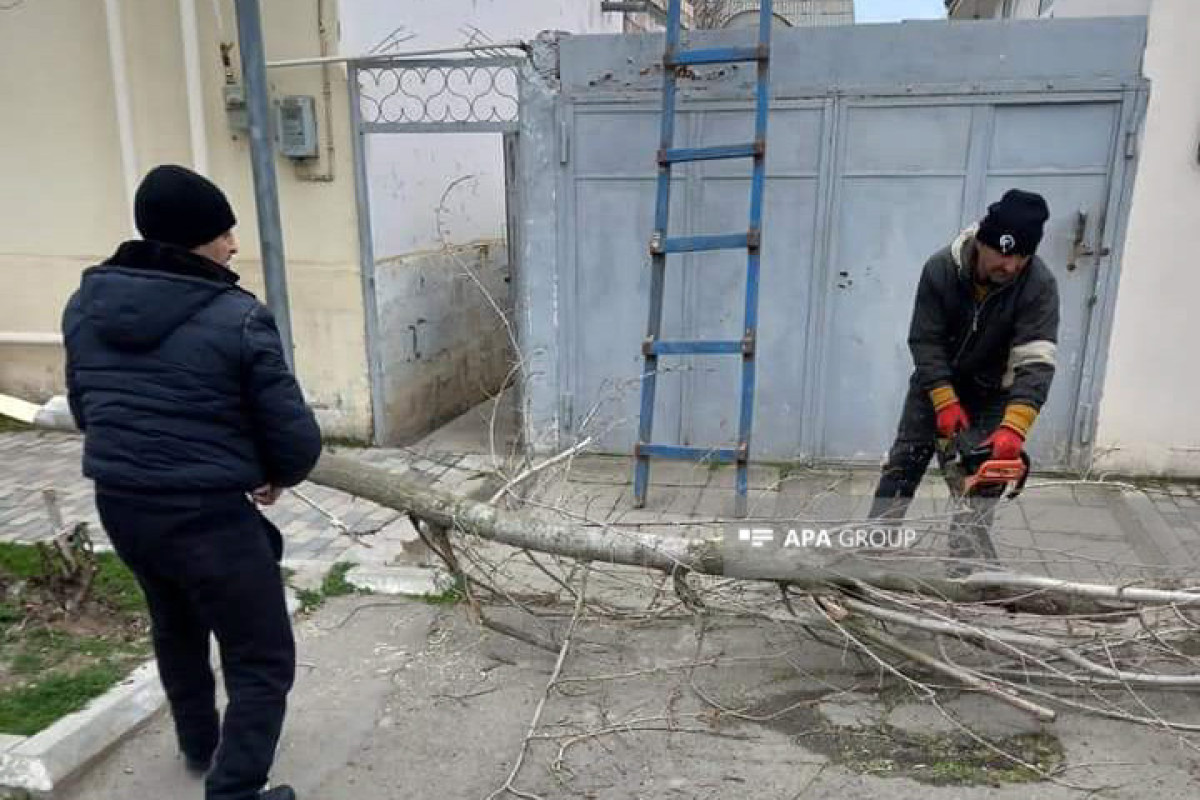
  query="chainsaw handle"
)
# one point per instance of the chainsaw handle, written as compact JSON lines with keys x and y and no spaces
{"x":1020,"y":487}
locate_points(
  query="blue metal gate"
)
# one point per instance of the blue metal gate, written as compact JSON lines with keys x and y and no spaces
{"x":887,"y":141}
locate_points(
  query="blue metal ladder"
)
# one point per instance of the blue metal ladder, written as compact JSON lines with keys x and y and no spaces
{"x":662,"y":244}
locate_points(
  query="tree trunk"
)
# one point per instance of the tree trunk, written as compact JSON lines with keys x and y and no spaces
{"x":808,"y":569}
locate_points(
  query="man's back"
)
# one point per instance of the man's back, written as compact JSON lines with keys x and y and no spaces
{"x":177,"y":377}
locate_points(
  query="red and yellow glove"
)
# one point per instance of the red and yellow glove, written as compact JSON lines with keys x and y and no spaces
{"x":951,"y":417}
{"x":1008,"y":440}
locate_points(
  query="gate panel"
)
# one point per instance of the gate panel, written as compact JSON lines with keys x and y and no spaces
{"x":899,"y":200}
{"x":715,"y":306}
{"x":1071,"y":166}
{"x":611,"y":220}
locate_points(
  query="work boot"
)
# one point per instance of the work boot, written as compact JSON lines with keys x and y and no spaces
{"x":196,"y":767}
{"x":278,"y":793}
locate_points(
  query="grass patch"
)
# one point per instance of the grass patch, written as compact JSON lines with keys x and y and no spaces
{"x":21,"y":562}
{"x":53,"y":663}
{"x":447,"y":597}
{"x":950,"y":759}
{"x":310,"y":600}
{"x":870,"y":746}
{"x":10,"y":425}
{"x":26,"y":710}
{"x":334,"y":584}
{"x":345,"y":442}
{"x":115,"y":585}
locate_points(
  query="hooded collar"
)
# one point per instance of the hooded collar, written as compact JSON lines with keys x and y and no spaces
{"x":963,"y":251}
{"x":146,"y":290}
{"x":172,"y":259}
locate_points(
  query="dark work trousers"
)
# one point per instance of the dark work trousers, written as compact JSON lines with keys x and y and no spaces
{"x":914,"y":448}
{"x":209,"y":563}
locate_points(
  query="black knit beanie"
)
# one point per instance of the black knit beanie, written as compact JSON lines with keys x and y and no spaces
{"x":178,"y":206}
{"x":1014,"y":226}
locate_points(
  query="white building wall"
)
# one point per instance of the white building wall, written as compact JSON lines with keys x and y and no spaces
{"x":412,"y":175}
{"x":1150,"y":414}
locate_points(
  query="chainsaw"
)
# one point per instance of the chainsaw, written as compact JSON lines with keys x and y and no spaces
{"x":970,"y":470}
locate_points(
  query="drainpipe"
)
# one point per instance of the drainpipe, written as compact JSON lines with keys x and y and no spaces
{"x":262,"y":158}
{"x":327,"y":100}
{"x":195,"y":87}
{"x":120,"y":78}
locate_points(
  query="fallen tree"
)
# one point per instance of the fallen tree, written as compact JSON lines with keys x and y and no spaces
{"x":806,"y":569}
{"x":1029,"y":630}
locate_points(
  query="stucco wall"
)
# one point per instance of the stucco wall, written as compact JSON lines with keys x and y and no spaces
{"x":1148,"y":415}
{"x":443,"y":343}
{"x":64,"y":207}
{"x":409,"y":173}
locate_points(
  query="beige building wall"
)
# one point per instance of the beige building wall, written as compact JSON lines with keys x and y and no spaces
{"x":64,"y":207}
{"x":1149,"y":420}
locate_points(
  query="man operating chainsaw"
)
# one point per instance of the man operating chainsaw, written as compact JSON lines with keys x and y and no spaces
{"x":983,"y":337}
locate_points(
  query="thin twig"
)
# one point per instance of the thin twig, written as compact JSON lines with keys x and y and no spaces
{"x":537,"y":714}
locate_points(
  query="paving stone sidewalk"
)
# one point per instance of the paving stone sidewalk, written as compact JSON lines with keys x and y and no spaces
{"x":1063,"y":529}
{"x":31,"y":462}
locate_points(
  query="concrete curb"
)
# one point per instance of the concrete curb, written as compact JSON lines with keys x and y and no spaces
{"x":38,"y":763}
{"x":404,"y":580}
{"x":32,"y":766}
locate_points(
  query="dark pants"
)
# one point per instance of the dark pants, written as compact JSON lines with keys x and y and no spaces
{"x":210,"y":564}
{"x":914,"y":448}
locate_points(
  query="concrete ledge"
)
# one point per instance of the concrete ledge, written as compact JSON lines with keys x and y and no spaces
{"x":38,"y":763}
{"x":400,"y":580}
{"x":35,"y":765}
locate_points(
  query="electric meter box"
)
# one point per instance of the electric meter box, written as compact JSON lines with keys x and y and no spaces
{"x":298,"y":126}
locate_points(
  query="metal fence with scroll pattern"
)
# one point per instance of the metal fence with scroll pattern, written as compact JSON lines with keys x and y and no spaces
{"x":473,"y":95}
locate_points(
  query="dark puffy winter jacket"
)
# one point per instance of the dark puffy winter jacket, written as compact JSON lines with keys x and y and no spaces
{"x":177,"y":378}
{"x":1006,"y":342}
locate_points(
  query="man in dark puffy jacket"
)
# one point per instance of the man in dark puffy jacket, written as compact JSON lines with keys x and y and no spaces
{"x":177,"y":378}
{"x":984,"y":339}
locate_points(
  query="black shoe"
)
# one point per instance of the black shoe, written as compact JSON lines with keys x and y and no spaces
{"x":196,"y":767}
{"x":278,"y":793}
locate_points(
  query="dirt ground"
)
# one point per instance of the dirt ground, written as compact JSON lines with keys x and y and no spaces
{"x":404,"y":699}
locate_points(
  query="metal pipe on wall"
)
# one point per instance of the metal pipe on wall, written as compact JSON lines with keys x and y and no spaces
{"x":262,"y":157}
{"x":120,"y":78}
{"x":366,"y":249}
{"x":189,"y":31}
{"x":325,"y":176}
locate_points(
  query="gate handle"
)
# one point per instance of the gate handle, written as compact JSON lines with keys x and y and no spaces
{"x":1079,"y":247}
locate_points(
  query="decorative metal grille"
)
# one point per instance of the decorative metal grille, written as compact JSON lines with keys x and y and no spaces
{"x":467,"y":95}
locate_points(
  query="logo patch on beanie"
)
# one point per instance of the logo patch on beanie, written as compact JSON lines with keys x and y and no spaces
{"x":1007,"y":243}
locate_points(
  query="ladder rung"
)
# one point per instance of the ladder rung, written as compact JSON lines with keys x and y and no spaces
{"x":678,"y":155}
{"x":694,"y":244}
{"x":698,"y":347}
{"x":716,"y":55}
{"x":724,"y":455}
